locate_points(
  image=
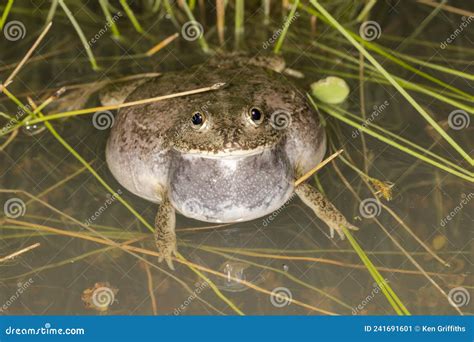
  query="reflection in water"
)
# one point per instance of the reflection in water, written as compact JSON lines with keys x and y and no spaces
{"x":241,"y":271}
{"x":33,"y":129}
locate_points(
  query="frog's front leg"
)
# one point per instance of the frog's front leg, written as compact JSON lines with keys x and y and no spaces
{"x":165,"y":235}
{"x":323,"y":209}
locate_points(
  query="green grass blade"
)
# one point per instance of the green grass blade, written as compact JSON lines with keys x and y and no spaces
{"x":104,"y":4}
{"x":435,"y":66}
{"x":366,"y":10}
{"x":239,"y":20}
{"x":131,"y":16}
{"x":202,"y":40}
{"x":52,"y":11}
{"x":7,"y":9}
{"x":393,"y":299}
{"x":286,"y":26}
{"x":81,"y":35}
{"x":376,"y":48}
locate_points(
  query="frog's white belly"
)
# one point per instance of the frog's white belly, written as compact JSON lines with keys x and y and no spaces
{"x":230,"y":189}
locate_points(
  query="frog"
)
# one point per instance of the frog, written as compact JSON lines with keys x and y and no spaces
{"x":228,"y":155}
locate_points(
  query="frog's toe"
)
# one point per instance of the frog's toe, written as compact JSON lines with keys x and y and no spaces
{"x":336,"y":228}
{"x":169,"y":261}
{"x":166,"y":250}
{"x":351,"y":226}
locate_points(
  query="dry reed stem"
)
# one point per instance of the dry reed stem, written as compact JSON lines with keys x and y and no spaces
{"x":21,"y":251}
{"x":154,"y":307}
{"x":447,"y":8}
{"x":317,"y":167}
{"x":161,"y":45}
{"x":25,"y":58}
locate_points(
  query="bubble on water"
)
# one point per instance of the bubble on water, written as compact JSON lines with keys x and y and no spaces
{"x":235,"y":273}
{"x":33,"y":129}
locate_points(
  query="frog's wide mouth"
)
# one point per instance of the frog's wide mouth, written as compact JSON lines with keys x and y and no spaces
{"x":224,"y":153}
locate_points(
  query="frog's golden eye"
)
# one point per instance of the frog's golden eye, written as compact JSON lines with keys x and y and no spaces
{"x":198,"y":120}
{"x":255,"y":115}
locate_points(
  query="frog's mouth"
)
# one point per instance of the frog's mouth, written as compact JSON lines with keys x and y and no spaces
{"x":224,"y":153}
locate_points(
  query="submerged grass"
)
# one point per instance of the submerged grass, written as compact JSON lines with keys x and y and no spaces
{"x":286,"y":26}
{"x":466,"y":175}
{"x":395,"y":302}
{"x":197,"y":29}
{"x":104,"y":4}
{"x":5,"y":13}
{"x":131,"y":16}
{"x":81,"y":35}
{"x":376,"y":64}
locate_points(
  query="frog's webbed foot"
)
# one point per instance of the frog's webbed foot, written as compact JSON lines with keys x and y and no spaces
{"x":323,"y":209}
{"x":165,"y":236}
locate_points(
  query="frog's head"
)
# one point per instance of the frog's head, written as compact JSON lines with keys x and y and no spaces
{"x":232,"y":121}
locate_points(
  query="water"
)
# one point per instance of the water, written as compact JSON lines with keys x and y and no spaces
{"x":68,"y":274}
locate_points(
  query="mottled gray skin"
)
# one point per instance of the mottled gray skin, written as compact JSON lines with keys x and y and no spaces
{"x":228,"y":170}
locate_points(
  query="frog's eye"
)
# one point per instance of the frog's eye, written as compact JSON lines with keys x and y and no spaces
{"x":198,"y":119}
{"x":255,"y":115}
